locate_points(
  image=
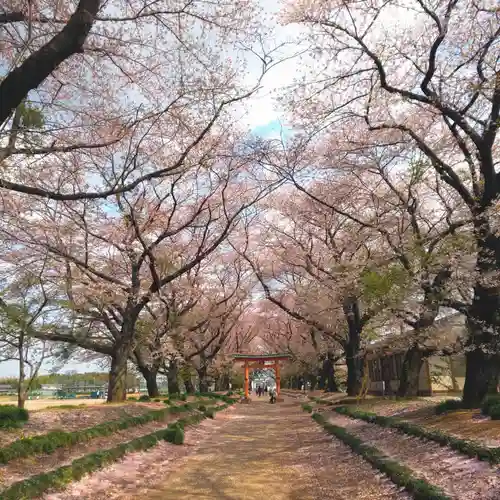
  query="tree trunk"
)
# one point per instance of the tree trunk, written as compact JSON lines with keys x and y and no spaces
{"x":172,"y":378}
{"x":481,"y":374}
{"x":189,"y":386}
{"x":410,"y":372}
{"x":202,"y":375}
{"x":352,"y":347}
{"x":483,"y":323}
{"x":117,"y":387}
{"x":21,"y":393}
{"x":313,"y":379}
{"x":355,"y":371}
{"x":328,"y":375}
{"x":150,"y":375}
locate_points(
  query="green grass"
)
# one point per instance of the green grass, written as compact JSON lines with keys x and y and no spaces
{"x":470,"y":448}
{"x":399,"y":474}
{"x":12,"y":417}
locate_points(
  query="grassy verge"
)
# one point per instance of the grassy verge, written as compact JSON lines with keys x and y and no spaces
{"x":307,"y":407}
{"x":399,"y":474}
{"x":470,"y":448}
{"x":48,"y":443}
{"x":36,"y":486}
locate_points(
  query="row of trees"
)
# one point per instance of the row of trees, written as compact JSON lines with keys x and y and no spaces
{"x":141,"y":220}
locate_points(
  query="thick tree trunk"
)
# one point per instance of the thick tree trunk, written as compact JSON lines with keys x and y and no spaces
{"x":172,"y":378}
{"x":352,"y":347}
{"x":117,"y":387}
{"x":150,"y":376}
{"x":483,"y":323}
{"x":410,"y":372}
{"x":189,"y":386}
{"x":203,"y":378}
{"x":328,"y":375}
{"x":355,"y":371}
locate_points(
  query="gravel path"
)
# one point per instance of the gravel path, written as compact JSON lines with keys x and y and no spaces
{"x":248,"y":452}
{"x":460,"y":477}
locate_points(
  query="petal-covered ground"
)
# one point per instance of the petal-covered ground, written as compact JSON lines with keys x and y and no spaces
{"x":257,"y":451}
{"x":462,"y":478}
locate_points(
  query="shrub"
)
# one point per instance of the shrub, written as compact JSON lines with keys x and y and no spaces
{"x":489,"y":402}
{"x":166,"y":401}
{"x":494,"y":412}
{"x":448,"y":405}
{"x":132,"y":399}
{"x":157,"y":400}
{"x":210,"y":413}
{"x":202,"y":407}
{"x":307,"y":407}
{"x":178,"y":436}
{"x":12,"y":416}
{"x":183,"y":397}
{"x":144,"y":397}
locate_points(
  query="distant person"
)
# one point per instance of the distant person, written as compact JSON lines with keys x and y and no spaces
{"x":272,"y":396}
{"x":265,"y":389}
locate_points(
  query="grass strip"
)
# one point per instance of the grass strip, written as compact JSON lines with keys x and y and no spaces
{"x":469,"y":448}
{"x":399,"y":474}
{"x":57,"y":479}
{"x":50,"y":442}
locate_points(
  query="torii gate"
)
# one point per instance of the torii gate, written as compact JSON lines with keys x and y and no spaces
{"x":258,"y":361}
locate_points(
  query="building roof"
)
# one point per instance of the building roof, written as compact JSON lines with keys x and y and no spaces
{"x":444,"y":332}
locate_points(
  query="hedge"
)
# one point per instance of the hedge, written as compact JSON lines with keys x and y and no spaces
{"x":12,"y":416}
{"x":489,"y":403}
{"x":48,"y":443}
{"x":399,"y":474}
{"x":470,"y":448}
{"x":36,"y":486}
{"x":448,"y":405}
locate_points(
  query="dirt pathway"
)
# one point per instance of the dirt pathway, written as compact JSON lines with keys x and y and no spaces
{"x":250,"y":452}
{"x":462,"y":478}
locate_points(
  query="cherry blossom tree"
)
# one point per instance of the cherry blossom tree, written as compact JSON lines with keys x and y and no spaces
{"x":115,"y":257}
{"x":177,"y":69}
{"x":205,"y":336}
{"x":419,"y":227}
{"x":426,"y":74}
{"x":309,"y":265}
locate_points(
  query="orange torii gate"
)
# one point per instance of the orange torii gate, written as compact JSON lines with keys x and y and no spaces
{"x":258,"y":361}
